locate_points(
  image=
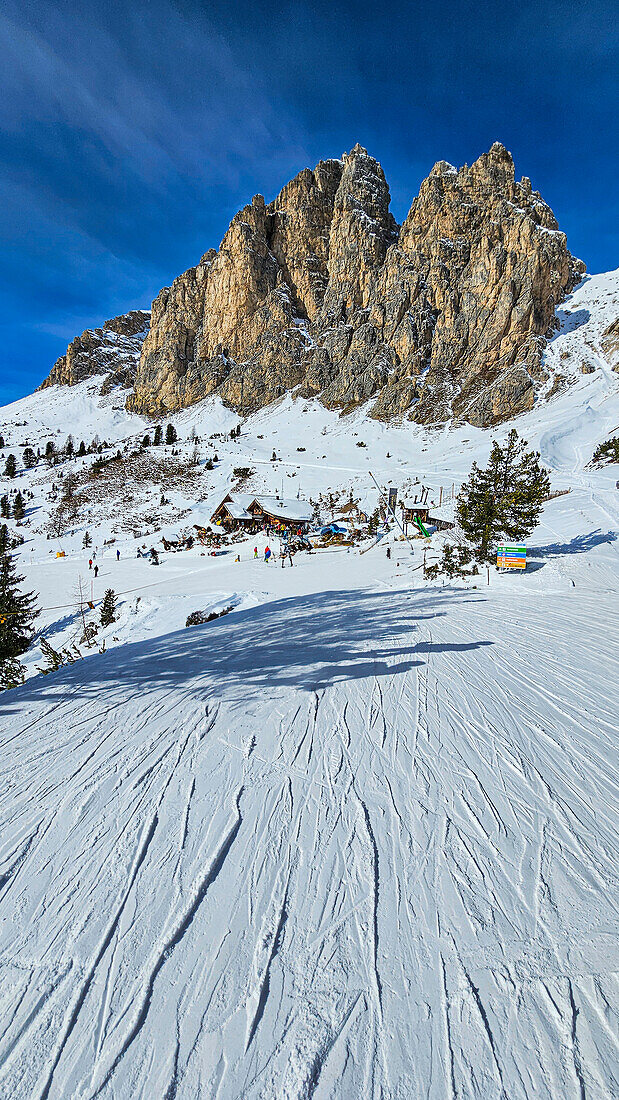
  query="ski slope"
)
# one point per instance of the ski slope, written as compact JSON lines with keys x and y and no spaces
{"x":358,"y":839}
{"x":355,"y":842}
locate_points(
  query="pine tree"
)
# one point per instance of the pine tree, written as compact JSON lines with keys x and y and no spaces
{"x":1,"y":441}
{"x":108,"y":608}
{"x":12,"y":673}
{"x":18,"y":507}
{"x":170,"y":435}
{"x":146,"y":441}
{"x":57,"y":658}
{"x":69,"y":447}
{"x":157,"y":436}
{"x":87,"y":540}
{"x":10,"y":466}
{"x":5,"y":507}
{"x":17,"y":609}
{"x":373,"y":522}
{"x":52,"y":656}
{"x":50,"y":451}
{"x":505,"y":499}
{"x":452,"y":563}
{"x":69,"y":486}
{"x":29,"y":458}
{"x":81,"y":449}
{"x":606,"y":452}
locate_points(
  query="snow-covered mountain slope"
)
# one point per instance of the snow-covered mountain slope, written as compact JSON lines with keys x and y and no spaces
{"x":356,"y":839}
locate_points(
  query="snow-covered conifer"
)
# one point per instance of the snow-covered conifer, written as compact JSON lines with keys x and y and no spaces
{"x":505,"y":499}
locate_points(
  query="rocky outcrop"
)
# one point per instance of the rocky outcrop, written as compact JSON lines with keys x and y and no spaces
{"x":610,"y":345}
{"x":112,"y":351}
{"x":322,"y":292}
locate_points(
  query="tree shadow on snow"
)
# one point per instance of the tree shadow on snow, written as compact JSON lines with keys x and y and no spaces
{"x":57,"y":626}
{"x":308,"y":642}
{"x":580,"y":544}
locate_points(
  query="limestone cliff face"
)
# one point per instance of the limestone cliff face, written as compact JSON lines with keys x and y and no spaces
{"x":322,"y":292}
{"x":610,"y":345}
{"x":112,"y":351}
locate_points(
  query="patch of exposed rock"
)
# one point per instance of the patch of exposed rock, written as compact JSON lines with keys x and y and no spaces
{"x":321,"y":292}
{"x":610,"y":345}
{"x":112,"y":351}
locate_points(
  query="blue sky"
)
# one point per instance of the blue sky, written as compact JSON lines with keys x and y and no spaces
{"x":132,"y":132}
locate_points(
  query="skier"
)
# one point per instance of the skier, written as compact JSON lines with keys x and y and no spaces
{"x":118,"y":555}
{"x":90,"y":563}
{"x":255,"y":551}
{"x":267,"y":554}
{"x":388,"y":551}
{"x":96,"y":570}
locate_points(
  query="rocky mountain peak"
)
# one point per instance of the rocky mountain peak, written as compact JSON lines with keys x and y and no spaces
{"x":112,"y":351}
{"x":361,"y":230}
{"x":321,"y":292}
{"x":496,"y":168}
{"x":134,"y":323}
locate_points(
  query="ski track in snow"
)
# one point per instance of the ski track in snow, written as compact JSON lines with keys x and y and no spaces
{"x":415,"y":890}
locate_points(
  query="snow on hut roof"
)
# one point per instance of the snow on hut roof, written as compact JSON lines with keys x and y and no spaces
{"x":237,"y":505}
{"x":413,"y":502}
{"x":282,"y":508}
{"x":445,"y":512}
{"x":237,"y":511}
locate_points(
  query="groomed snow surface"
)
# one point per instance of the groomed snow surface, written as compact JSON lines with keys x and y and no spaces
{"x":357,"y":839}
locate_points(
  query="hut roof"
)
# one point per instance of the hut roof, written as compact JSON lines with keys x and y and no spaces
{"x":237,"y":511}
{"x":444,"y":512}
{"x":283,"y":508}
{"x":238,"y":506}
